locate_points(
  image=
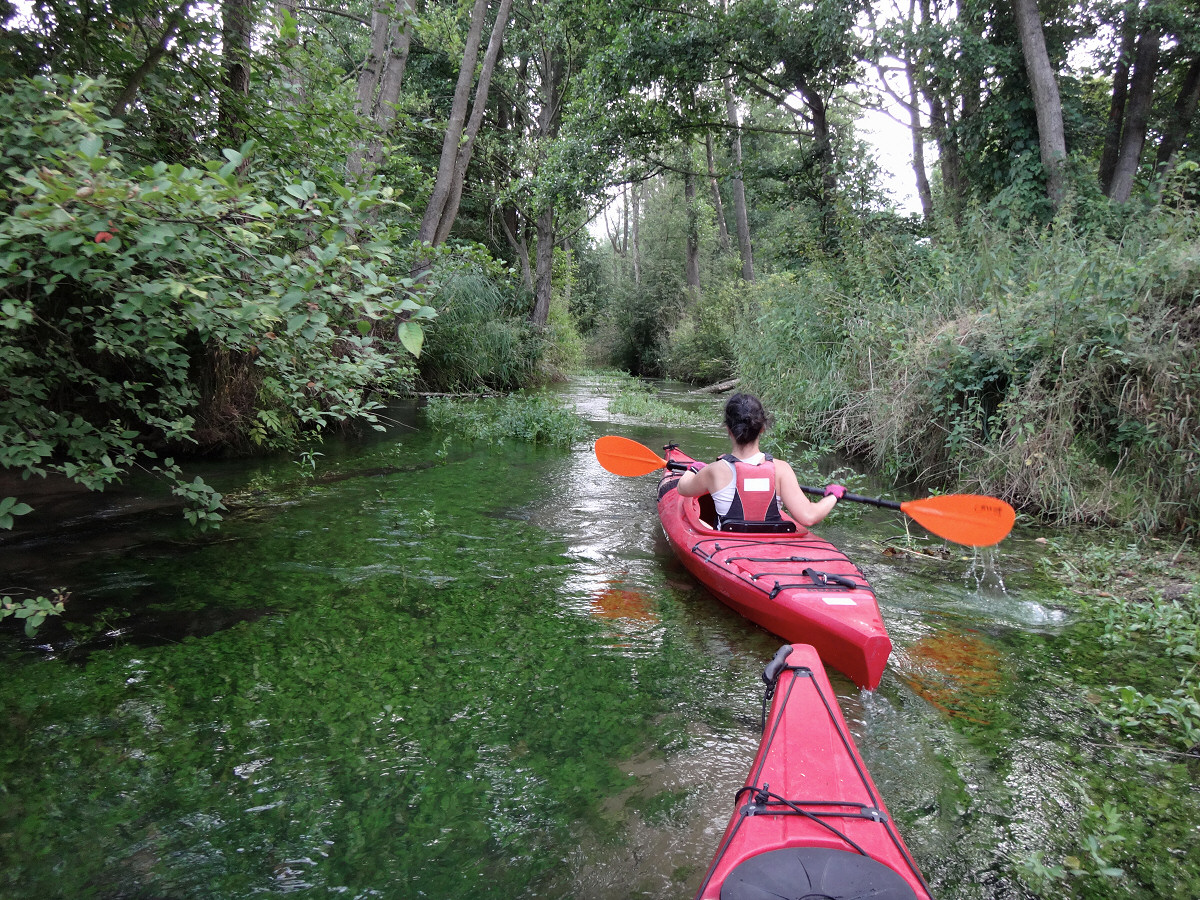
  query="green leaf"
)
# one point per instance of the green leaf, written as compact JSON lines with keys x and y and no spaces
{"x":411,"y":336}
{"x":233,"y":156}
{"x":91,"y":145}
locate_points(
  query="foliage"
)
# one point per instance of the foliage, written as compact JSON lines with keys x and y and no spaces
{"x":1055,"y":369}
{"x":150,"y":307}
{"x":482,"y":339}
{"x":700,"y":346}
{"x":534,"y":419}
{"x":1134,"y":653}
{"x":564,"y":345}
{"x":33,"y":610}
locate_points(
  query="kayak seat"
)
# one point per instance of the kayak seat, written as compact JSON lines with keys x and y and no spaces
{"x":708,"y":510}
{"x":742,"y":526}
{"x":808,"y":873}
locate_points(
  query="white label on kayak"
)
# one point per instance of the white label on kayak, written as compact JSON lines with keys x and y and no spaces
{"x":756,"y":484}
{"x":840,"y":601}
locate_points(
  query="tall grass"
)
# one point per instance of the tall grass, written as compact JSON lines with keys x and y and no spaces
{"x":1058,"y":369}
{"x":481,"y":339}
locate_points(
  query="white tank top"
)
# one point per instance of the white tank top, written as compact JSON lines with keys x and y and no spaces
{"x":723,"y":499}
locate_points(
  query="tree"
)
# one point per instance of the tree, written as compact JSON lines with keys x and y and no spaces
{"x":237,"y":23}
{"x":461,"y":132}
{"x":740,"y":215}
{"x":133,"y":83}
{"x":1183,"y":114}
{"x":1137,"y":109}
{"x":1052,"y":141}
{"x":811,"y":49}
{"x":381,"y":79}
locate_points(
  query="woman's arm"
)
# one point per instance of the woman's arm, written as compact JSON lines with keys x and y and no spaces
{"x":707,"y":481}
{"x":799,"y":507}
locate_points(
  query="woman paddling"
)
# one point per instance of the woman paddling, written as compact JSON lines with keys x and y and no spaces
{"x":746,"y":484}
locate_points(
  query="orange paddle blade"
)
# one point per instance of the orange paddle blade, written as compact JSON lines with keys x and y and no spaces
{"x":621,"y":456}
{"x":970,"y":519}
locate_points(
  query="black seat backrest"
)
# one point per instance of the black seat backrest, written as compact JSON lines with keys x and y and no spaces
{"x":742,"y":526}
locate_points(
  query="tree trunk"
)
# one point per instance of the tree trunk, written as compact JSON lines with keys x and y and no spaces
{"x":1046,"y":103}
{"x":514,"y":233}
{"x":635,"y":244}
{"x":624,"y":221}
{"x":454,"y":128}
{"x":692,"y":255}
{"x":943,"y":128}
{"x":738,"y":187}
{"x":289,"y":36}
{"x":380,"y":83}
{"x":459,"y":142}
{"x":918,"y":141}
{"x":549,"y":118}
{"x":157,"y":52}
{"x":1137,"y":117}
{"x":823,"y":146}
{"x":543,"y":283}
{"x":1181,"y":118}
{"x":718,"y":206}
{"x":237,"y":23}
{"x":1116,"y":106}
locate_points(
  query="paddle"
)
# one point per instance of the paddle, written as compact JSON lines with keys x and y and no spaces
{"x":970,"y":519}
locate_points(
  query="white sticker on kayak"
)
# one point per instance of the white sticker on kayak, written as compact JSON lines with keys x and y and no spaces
{"x":756,"y":484}
{"x":840,"y":601}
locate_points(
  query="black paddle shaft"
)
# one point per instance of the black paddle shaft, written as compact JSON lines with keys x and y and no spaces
{"x":853,"y":498}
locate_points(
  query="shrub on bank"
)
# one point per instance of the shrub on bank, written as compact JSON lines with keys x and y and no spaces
{"x":1058,"y":369}
{"x":152,"y":307}
{"x":482,"y":340}
{"x":699,"y":348}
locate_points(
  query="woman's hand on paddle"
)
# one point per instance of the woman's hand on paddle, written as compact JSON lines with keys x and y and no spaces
{"x":835,"y":490}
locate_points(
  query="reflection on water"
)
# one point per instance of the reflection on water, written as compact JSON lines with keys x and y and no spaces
{"x":482,"y":673}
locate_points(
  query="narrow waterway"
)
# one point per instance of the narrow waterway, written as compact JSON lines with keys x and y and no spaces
{"x":428,"y":669}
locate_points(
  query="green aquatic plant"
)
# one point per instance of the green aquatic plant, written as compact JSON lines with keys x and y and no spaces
{"x":1131,"y":661}
{"x":533,"y":419}
{"x":637,"y":400}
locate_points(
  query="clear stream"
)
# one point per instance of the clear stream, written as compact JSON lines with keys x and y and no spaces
{"x":435,"y":670}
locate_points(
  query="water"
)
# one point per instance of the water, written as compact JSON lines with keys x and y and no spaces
{"x":481,"y":674}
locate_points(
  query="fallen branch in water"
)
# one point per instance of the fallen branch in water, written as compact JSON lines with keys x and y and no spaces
{"x":719,"y":387}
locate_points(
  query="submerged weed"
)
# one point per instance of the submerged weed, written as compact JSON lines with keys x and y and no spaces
{"x":533,"y":419}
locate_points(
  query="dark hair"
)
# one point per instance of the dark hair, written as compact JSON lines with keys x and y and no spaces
{"x":745,"y":417}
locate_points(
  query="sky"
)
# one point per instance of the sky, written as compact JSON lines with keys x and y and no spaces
{"x":893,"y":148}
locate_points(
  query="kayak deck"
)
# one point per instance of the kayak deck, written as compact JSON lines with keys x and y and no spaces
{"x":809,"y":821}
{"x":797,"y":585}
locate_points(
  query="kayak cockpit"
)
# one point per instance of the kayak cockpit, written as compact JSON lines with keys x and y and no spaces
{"x":800,"y":873}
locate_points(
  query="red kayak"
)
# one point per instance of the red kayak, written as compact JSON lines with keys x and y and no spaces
{"x":794,"y":584}
{"x":809,"y":822}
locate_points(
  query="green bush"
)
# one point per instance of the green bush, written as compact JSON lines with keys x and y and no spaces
{"x":482,"y":339}
{"x":1055,"y":368}
{"x":699,"y":349}
{"x":151,"y":308}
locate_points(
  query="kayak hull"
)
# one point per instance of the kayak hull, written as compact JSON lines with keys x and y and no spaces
{"x":809,"y":821}
{"x":797,"y":586}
